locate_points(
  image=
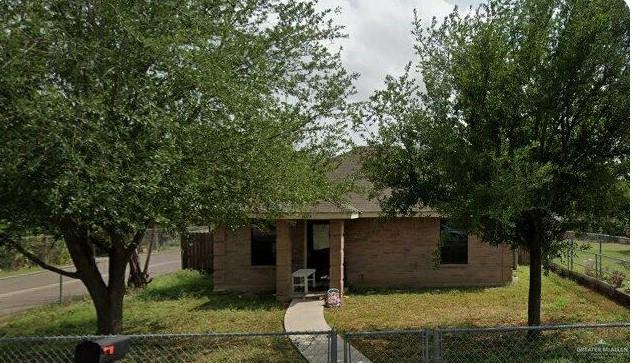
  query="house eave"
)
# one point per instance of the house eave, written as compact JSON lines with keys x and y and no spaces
{"x":354,"y":215}
{"x":322,"y":215}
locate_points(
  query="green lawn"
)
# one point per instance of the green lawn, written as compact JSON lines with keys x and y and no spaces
{"x":615,"y":258}
{"x":182,"y":302}
{"x":564,"y":301}
{"x":617,"y":250}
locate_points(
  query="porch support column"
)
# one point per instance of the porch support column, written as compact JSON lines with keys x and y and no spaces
{"x":337,"y":244}
{"x":283,"y":270}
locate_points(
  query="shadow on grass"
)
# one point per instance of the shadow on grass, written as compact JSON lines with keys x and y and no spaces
{"x":177,"y":285}
{"x":235,"y":301}
{"x":185,"y":284}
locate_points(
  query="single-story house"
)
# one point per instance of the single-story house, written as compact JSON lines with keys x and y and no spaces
{"x":354,"y":245}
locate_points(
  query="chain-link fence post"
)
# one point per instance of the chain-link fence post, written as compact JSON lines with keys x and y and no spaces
{"x":425,"y":357}
{"x":346,"y":353}
{"x":437,"y":345}
{"x":333,"y":346}
{"x":600,"y":264}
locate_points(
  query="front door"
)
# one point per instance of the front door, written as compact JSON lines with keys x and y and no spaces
{"x":318,"y":251}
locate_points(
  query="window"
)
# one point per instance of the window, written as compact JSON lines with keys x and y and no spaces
{"x":263,"y":244}
{"x":453,"y":244}
{"x":320,"y":236}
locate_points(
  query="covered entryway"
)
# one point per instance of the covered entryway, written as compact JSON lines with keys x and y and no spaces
{"x":316,"y":244}
{"x":318,"y":251}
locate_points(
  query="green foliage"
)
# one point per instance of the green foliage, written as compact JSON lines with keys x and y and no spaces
{"x":118,"y":115}
{"x":521,"y":122}
{"x":47,"y":249}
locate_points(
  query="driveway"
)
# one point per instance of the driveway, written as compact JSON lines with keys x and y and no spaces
{"x":24,"y":292}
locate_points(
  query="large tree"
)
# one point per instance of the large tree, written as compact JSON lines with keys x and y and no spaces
{"x":517,"y":126}
{"x":119,"y":115}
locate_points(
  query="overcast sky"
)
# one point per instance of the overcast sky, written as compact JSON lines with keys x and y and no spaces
{"x":380,"y":40}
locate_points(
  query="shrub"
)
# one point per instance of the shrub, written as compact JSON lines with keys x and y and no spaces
{"x":616,"y":278}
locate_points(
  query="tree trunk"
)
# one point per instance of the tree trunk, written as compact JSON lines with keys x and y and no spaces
{"x":138,"y":278}
{"x":106,"y":298}
{"x":109,"y":307}
{"x":534,"y":294}
{"x":111,"y":321}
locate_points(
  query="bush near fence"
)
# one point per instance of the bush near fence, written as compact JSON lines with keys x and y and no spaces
{"x":562,"y":343}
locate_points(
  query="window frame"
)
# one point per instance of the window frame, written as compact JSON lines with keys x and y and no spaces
{"x":269,"y":261}
{"x":444,"y":223}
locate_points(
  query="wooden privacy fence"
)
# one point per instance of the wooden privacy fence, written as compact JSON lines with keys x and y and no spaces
{"x":197,"y":251}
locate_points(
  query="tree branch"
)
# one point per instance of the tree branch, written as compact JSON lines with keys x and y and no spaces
{"x":5,"y":240}
{"x":99,"y":242}
{"x":138,"y":237}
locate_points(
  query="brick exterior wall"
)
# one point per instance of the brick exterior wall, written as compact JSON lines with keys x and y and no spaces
{"x":232,"y":268}
{"x":377,"y":253}
{"x":283,"y":279}
{"x":399,"y":253}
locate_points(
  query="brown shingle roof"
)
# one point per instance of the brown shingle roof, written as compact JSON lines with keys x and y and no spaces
{"x":359,"y":201}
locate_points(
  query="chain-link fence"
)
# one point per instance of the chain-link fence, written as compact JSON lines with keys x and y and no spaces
{"x":604,"y":258}
{"x":567,"y":343}
{"x":387,"y":346}
{"x":562,"y":343}
{"x":168,"y":348}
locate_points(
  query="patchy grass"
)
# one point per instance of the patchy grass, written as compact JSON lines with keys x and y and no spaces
{"x":564,"y":301}
{"x":181,"y":302}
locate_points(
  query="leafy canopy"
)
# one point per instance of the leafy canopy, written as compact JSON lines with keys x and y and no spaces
{"x":519,"y":112}
{"x":120,"y":114}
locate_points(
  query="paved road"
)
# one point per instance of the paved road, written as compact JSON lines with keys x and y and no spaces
{"x":24,"y":292}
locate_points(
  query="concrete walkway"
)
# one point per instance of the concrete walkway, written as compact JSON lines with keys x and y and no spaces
{"x":307,"y":315}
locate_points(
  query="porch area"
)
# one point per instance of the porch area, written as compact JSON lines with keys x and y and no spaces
{"x":313,"y":245}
